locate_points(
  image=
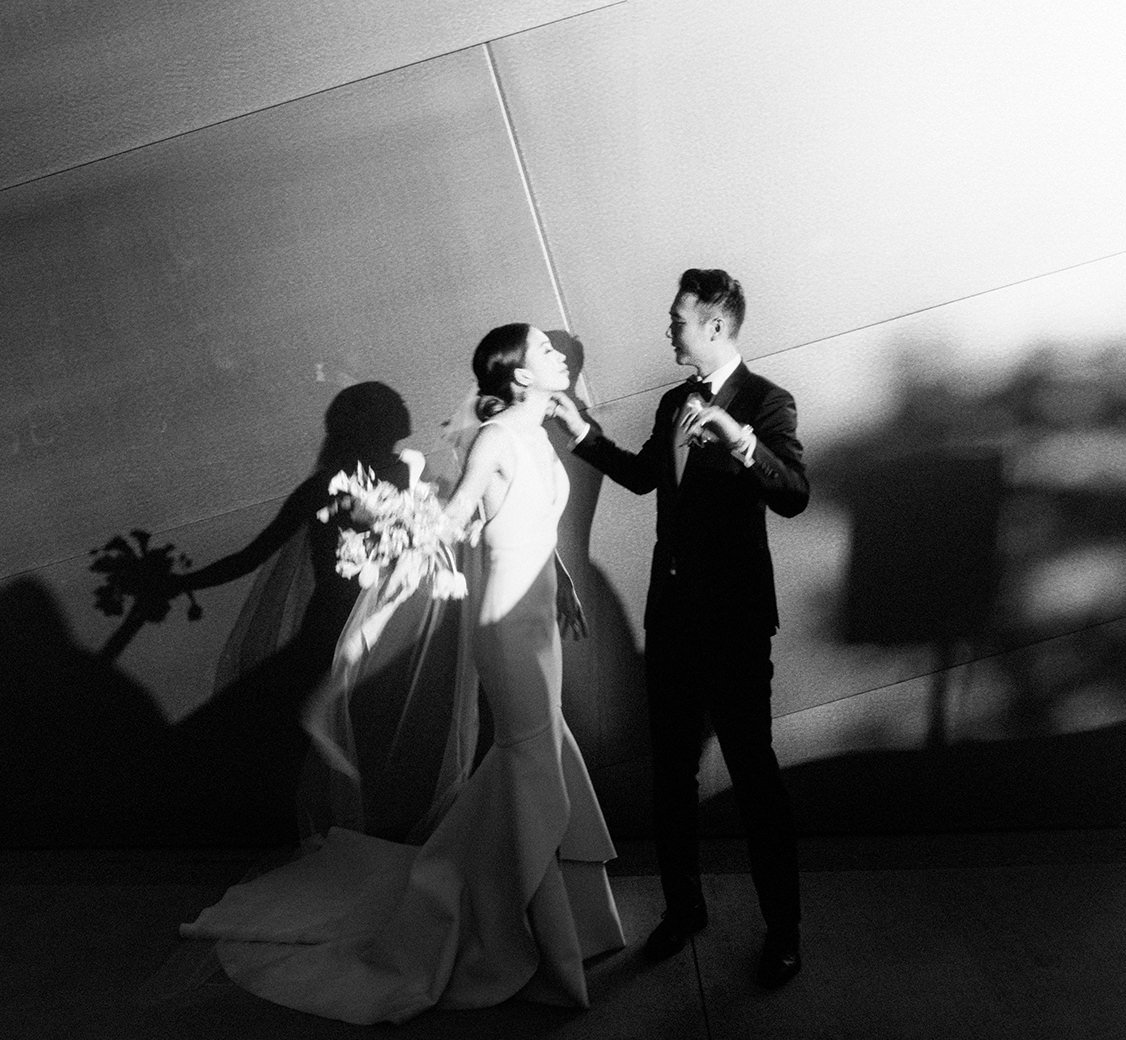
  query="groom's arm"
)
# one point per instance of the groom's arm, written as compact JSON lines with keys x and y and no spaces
{"x":776,"y":462}
{"x":639,"y":471}
{"x":636,"y":471}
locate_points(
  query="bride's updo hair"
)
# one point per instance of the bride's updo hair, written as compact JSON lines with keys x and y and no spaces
{"x":498,"y":355}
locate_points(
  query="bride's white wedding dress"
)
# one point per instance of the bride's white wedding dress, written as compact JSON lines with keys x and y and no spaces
{"x":508,"y":894}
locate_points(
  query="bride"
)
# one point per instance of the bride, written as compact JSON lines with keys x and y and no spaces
{"x":508,"y":893}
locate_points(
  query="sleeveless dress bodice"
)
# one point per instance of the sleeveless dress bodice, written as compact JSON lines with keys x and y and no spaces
{"x":520,"y":537}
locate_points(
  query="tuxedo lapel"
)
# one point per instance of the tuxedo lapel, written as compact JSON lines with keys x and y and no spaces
{"x":731,"y":386}
{"x":677,"y":445}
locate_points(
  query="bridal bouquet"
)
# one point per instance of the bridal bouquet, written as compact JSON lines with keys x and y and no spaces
{"x":403,"y":531}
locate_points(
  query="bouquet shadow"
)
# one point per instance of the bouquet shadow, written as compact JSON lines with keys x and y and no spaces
{"x":228,"y":773}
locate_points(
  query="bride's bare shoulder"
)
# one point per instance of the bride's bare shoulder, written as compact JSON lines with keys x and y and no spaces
{"x":493,"y":444}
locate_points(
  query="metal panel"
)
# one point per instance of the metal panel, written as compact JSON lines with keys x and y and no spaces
{"x":179,"y":319}
{"x":82,"y":81}
{"x":848,"y":166}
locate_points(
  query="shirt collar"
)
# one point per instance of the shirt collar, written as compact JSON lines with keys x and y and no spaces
{"x":717,"y":378}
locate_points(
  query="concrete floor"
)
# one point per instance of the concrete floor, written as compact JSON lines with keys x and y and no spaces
{"x":984,"y":936}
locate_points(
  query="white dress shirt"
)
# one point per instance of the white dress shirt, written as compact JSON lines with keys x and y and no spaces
{"x":744,"y":448}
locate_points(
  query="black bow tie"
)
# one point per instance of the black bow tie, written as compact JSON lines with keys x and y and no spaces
{"x":702,"y":388}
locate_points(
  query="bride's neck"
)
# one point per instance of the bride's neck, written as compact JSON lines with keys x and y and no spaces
{"x":531,"y":410}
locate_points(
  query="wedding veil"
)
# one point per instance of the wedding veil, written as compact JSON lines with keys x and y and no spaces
{"x":394,"y":727}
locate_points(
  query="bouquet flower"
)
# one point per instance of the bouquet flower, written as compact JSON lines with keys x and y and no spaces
{"x":403,"y":532}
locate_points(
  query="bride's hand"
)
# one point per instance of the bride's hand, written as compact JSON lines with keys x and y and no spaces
{"x":569,"y":612}
{"x":355,"y":514}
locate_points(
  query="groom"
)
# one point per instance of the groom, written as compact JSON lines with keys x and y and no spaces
{"x":722,"y":450}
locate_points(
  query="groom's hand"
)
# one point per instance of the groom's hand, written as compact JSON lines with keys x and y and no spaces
{"x":567,"y":414}
{"x":709,"y":423}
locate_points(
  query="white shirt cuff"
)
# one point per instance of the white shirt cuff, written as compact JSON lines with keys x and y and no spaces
{"x":580,"y":437}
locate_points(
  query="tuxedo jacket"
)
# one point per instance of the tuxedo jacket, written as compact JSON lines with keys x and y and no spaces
{"x":711,"y":555}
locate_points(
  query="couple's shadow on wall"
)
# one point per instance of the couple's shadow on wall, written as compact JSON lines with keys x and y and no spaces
{"x":89,"y":756}
{"x":74,"y":729}
{"x":91,"y":759}
{"x":234,"y":763}
{"x":242,"y":752}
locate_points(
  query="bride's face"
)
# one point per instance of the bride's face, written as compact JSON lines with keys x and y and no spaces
{"x":544,"y":368}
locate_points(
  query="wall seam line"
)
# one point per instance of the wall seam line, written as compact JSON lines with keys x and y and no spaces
{"x":944,"y":303}
{"x":526,"y":182}
{"x":269,"y":107}
{"x":969,"y":662}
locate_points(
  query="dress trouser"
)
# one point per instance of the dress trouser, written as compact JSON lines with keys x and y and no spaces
{"x":698,"y":672}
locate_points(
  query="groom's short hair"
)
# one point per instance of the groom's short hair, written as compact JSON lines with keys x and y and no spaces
{"x":718,"y":291}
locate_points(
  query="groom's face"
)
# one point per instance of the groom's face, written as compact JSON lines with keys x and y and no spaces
{"x":690,"y":331}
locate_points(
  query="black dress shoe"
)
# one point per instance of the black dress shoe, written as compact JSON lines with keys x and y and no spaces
{"x":780,"y":960}
{"x":674,"y":931}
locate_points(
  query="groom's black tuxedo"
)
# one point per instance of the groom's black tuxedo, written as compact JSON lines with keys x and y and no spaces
{"x":710,"y":613}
